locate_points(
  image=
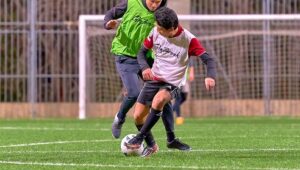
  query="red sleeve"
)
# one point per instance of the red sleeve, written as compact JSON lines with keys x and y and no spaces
{"x":195,"y":48}
{"x":148,"y":43}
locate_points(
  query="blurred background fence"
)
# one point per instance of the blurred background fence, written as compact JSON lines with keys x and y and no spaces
{"x":39,"y":57}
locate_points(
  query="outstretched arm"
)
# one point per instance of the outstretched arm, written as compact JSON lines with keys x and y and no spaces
{"x":111,"y":16}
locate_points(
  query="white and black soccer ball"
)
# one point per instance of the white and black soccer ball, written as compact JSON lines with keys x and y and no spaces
{"x":131,"y":152}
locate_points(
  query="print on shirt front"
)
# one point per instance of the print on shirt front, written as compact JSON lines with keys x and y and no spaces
{"x":161,"y":49}
{"x":140,"y":21}
{"x":172,"y":55}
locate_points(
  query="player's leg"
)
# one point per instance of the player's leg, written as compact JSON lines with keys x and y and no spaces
{"x":128,"y":69}
{"x":182,"y":96}
{"x":168,"y":120}
{"x":176,"y":105}
{"x":141,"y":110}
{"x":140,"y":113}
{"x":145,"y":98}
{"x":160,"y":99}
{"x":179,"y":101}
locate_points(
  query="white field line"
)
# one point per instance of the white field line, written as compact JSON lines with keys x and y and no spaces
{"x":64,"y":129}
{"x":96,"y":165}
{"x":161,"y":151}
{"x":67,"y":142}
{"x":112,"y":140}
{"x":78,"y":141}
{"x":58,"y":164}
{"x":245,"y":150}
{"x":60,"y":142}
{"x":108,"y":129}
{"x":57,"y":142}
{"x":48,"y":128}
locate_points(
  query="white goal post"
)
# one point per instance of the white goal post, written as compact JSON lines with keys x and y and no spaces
{"x":83,"y":49}
{"x":82,"y":60}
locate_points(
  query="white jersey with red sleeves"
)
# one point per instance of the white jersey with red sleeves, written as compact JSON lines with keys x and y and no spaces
{"x":172,"y":54}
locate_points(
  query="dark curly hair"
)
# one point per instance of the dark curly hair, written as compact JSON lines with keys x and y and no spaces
{"x":166,"y":18}
{"x":163,"y":3}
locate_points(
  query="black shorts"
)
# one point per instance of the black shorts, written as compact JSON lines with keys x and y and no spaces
{"x":152,"y":87}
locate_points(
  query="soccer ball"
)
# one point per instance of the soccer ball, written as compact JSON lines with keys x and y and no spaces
{"x":131,"y":152}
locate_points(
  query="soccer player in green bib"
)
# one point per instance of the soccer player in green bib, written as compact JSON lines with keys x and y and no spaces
{"x":137,"y":22}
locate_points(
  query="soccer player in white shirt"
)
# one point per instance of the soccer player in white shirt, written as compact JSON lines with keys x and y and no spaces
{"x":173,"y":46}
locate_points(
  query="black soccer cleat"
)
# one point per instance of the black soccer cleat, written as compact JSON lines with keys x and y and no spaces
{"x":177,"y":144}
{"x":135,"y":142}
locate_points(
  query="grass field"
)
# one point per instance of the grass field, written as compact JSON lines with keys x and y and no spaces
{"x":217,"y":143}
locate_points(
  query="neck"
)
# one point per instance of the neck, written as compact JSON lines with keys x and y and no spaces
{"x":177,"y":31}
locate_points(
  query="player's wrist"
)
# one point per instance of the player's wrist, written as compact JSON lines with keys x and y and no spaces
{"x":210,"y":77}
{"x":145,"y":68}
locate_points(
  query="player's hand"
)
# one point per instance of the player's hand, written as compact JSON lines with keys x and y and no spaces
{"x":147,"y":74}
{"x":112,"y":24}
{"x":209,"y":83}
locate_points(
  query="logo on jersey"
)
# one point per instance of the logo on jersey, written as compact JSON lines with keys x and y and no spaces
{"x":138,"y":19}
{"x":161,"y":49}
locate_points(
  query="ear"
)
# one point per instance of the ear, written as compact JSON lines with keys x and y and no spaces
{"x":174,"y":29}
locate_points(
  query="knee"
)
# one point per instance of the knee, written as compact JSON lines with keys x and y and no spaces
{"x":159,"y":102}
{"x":138,"y":118}
{"x":133,"y":93}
